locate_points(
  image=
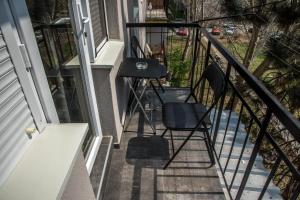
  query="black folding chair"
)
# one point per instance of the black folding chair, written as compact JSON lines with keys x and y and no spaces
{"x":184,"y":116}
{"x":135,"y":47}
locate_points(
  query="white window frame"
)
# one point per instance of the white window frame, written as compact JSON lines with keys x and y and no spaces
{"x":86,"y":71}
{"x":93,"y":49}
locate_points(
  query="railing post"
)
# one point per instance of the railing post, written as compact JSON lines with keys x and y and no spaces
{"x":296,"y":193}
{"x":216,"y":129}
{"x":255,"y":151}
{"x":201,"y":94}
{"x":194,"y":63}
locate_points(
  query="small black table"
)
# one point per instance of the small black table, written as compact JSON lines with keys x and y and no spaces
{"x":129,"y":71}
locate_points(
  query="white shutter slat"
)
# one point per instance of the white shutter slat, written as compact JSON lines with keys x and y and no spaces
{"x":3,"y":54}
{"x":6,"y":66}
{"x":2,"y":43}
{"x":6,"y":136}
{"x":7,"y":93}
{"x":7,"y":79}
{"x":15,"y":115}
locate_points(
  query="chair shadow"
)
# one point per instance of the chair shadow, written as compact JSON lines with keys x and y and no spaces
{"x":151,"y":152}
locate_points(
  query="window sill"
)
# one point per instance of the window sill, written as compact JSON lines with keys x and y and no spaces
{"x":106,"y":58}
{"x":45,"y":168}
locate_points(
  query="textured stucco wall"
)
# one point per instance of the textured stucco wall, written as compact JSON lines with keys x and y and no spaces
{"x":111,"y":94}
{"x":79,"y":186}
{"x":112,"y":14}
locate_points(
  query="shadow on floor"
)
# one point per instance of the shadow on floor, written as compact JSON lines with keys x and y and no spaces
{"x":147,"y":148}
{"x":136,"y":170}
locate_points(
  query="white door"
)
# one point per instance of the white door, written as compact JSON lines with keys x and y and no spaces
{"x":20,"y":109}
{"x":80,"y":23}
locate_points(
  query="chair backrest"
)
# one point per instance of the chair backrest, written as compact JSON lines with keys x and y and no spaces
{"x":135,"y":47}
{"x":216,"y":79}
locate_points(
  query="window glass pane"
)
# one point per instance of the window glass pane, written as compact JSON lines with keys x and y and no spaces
{"x":98,"y":21}
{"x":53,"y":32}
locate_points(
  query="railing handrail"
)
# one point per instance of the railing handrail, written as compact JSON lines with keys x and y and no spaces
{"x":284,"y":116}
{"x":52,"y":26}
{"x":163,"y":24}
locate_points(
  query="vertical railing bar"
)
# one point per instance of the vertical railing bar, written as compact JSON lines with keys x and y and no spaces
{"x":205,"y":65}
{"x":272,"y":173}
{"x":150,"y":41}
{"x":59,"y":46}
{"x":226,"y":128}
{"x":234,"y":137}
{"x":223,"y":176}
{"x":207,"y":95}
{"x":228,"y":71}
{"x":242,"y":152}
{"x":255,"y":151}
{"x":213,"y":122}
{"x":47,"y":47}
{"x":69,"y":42}
{"x":296,"y":192}
{"x":171,"y":49}
{"x":130,"y":36}
{"x":194,"y":59}
{"x":161,"y":39}
{"x":197,"y":74}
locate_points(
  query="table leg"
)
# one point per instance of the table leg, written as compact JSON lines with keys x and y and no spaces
{"x":139,"y":103}
{"x":156,"y":92}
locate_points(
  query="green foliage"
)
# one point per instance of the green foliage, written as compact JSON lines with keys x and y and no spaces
{"x":179,"y":69}
{"x":286,"y":13}
{"x":239,"y":50}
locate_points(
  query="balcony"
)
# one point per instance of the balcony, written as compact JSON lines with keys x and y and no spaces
{"x":252,"y":162}
{"x":155,"y":11}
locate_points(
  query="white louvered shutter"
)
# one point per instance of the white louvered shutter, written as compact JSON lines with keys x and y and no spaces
{"x":15,"y":115}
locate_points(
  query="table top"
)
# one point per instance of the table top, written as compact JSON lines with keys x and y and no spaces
{"x":154,"y":70}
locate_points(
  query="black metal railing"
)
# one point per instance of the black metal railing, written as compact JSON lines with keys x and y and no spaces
{"x":56,"y":43}
{"x":255,"y":139}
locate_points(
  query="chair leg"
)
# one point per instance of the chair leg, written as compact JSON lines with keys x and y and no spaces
{"x":160,"y":86}
{"x":173,"y":149}
{"x":179,"y":149}
{"x":162,"y":135}
{"x":209,"y":147}
{"x":156,"y":92}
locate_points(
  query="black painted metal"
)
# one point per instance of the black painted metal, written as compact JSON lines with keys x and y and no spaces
{"x":272,"y":173}
{"x":273,"y":107}
{"x":254,"y":153}
{"x":286,"y":118}
{"x":241,"y":154}
{"x":234,"y":137}
{"x":221,"y":107}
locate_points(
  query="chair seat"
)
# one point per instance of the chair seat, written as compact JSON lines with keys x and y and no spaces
{"x":184,"y":116}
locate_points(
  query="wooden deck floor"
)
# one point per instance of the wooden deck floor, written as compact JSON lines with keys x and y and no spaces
{"x":136,"y":168}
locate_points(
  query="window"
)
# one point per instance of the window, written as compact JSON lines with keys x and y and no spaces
{"x":98,"y":19}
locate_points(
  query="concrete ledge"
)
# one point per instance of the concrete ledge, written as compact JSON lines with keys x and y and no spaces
{"x":44,"y":170}
{"x":106,"y":58}
{"x":99,"y":173}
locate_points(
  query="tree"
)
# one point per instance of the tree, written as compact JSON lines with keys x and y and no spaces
{"x":287,"y":15}
{"x":258,"y":19}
